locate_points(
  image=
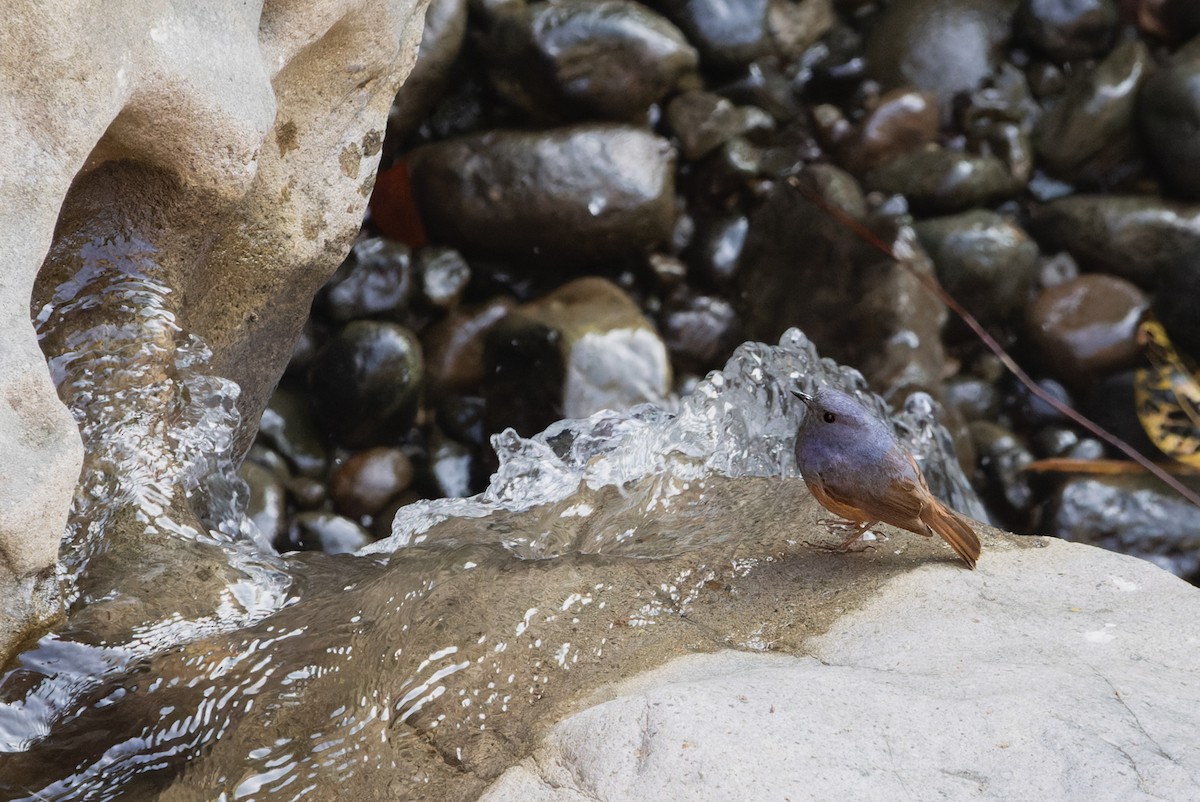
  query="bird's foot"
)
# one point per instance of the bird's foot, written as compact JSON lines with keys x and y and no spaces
{"x":855,"y":545}
{"x":854,"y":542}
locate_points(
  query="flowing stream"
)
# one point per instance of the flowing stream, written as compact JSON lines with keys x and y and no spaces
{"x":197,"y":663}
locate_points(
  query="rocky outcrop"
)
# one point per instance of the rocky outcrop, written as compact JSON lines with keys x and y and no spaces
{"x":1061,"y":668}
{"x":235,"y":143}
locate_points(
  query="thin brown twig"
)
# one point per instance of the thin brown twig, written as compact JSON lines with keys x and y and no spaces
{"x":1102,"y":466}
{"x":931,"y":283}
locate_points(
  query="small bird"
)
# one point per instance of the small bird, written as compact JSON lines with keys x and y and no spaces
{"x":856,"y":468}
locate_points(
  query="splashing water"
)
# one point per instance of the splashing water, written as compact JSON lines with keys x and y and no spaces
{"x":738,"y":422}
{"x":474,"y":617}
{"x":157,"y":428}
{"x":157,"y":551}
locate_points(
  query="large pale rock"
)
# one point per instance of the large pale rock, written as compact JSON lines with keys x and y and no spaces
{"x":1054,"y":673}
{"x":236,"y":141}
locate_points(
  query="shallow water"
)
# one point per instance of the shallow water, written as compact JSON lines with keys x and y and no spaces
{"x":198,"y":664}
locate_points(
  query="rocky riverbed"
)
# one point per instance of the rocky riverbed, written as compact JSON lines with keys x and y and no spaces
{"x":583,"y":206}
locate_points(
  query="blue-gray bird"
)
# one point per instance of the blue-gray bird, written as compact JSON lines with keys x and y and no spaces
{"x":856,"y":468}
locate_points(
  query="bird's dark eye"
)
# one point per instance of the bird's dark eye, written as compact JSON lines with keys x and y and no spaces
{"x":829,"y":417}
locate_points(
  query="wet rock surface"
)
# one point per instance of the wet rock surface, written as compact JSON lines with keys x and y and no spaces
{"x":1135,"y":515}
{"x":985,"y":262}
{"x":366,"y":383}
{"x":1168,"y":117}
{"x":938,"y":181}
{"x":195,"y":153}
{"x":1087,"y":327}
{"x":1068,"y":29}
{"x":606,"y":59}
{"x":727,"y":34}
{"x":1089,"y":134}
{"x":1133,"y":237}
{"x":945,"y":46}
{"x":591,"y":192}
{"x":826,"y":717}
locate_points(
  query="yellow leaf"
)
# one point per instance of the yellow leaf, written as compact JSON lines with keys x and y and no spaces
{"x":1167,"y":395}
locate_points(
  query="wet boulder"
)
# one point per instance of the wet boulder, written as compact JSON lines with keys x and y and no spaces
{"x":586,"y":193}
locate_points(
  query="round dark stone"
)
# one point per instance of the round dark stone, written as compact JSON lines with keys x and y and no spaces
{"x":987,"y":263}
{"x":1090,"y":133}
{"x":1132,"y":236}
{"x":1068,"y":29}
{"x":727,"y":34}
{"x":365,"y":483}
{"x":366,"y":382}
{"x":943,"y":46}
{"x":1169,"y":117}
{"x":376,"y":280}
{"x":1087,"y":327}
{"x":576,"y":195}
{"x":287,"y":424}
{"x":938,"y":181}
{"x":609,"y":58}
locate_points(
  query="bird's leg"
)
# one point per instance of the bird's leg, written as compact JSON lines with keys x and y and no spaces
{"x":860,"y":529}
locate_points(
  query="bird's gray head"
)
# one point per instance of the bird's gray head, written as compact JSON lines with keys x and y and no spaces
{"x":828,"y":407}
{"x":838,"y":430}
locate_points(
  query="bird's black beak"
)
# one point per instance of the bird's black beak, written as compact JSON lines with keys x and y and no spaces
{"x":805,"y":397}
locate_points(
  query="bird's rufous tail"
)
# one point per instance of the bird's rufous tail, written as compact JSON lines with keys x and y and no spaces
{"x":954,"y":529}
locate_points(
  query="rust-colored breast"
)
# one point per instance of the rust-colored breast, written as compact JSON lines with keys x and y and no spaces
{"x":835,"y":506}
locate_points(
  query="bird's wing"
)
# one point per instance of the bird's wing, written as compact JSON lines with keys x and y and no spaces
{"x":896,"y":500}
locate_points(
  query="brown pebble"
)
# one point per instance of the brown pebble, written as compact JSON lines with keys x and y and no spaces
{"x":1087,"y":327}
{"x":367,"y":481}
{"x":904,"y":120}
{"x":454,"y":345}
